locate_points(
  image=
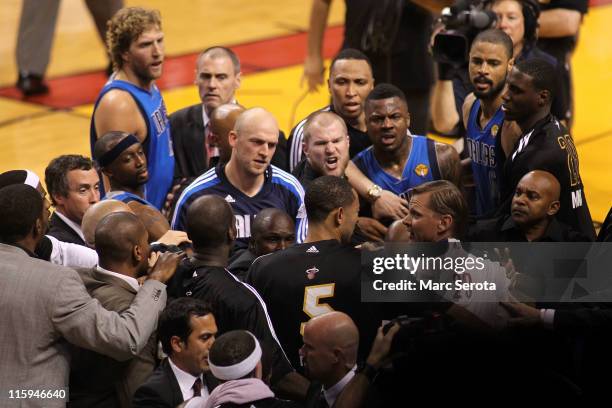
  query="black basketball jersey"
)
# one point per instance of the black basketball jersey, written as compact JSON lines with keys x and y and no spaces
{"x":308,"y":280}
{"x":236,"y":306}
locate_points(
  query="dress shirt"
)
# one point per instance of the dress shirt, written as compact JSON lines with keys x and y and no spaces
{"x":186,"y":381}
{"x":71,"y":255}
{"x":131,"y":281}
{"x":332,"y":393}
{"x":76,"y":227}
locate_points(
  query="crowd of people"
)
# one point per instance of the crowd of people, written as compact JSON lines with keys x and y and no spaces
{"x":203,"y":259}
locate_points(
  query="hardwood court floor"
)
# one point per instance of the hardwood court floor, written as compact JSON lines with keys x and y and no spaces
{"x":269,"y":36}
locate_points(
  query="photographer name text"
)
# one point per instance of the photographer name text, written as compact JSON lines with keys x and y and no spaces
{"x":430,"y":285}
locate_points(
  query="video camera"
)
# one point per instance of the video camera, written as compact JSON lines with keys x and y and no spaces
{"x":462,"y":22}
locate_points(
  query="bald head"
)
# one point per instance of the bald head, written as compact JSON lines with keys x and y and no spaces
{"x":536,"y":198}
{"x":209,"y":222}
{"x":222,"y":121}
{"x":268,"y":218}
{"x":95,"y":213}
{"x":116,"y":236}
{"x":544,"y":181}
{"x":321,"y":120}
{"x":255,"y":119}
{"x":253,"y":141}
{"x":337,"y":331}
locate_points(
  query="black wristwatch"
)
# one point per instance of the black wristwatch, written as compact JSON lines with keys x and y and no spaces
{"x":369,"y":371}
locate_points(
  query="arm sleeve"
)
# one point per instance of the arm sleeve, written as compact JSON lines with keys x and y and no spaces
{"x":85,"y":323}
{"x":257,"y":321}
{"x":72,"y":255}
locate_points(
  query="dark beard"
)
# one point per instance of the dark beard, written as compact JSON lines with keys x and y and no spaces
{"x":492,"y":93}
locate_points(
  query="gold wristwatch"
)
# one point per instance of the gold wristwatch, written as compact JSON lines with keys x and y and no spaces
{"x":374,"y":193}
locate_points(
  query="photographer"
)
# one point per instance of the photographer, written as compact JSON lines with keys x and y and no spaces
{"x":518,"y":19}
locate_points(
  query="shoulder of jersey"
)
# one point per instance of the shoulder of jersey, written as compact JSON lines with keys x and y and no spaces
{"x":287,"y":178}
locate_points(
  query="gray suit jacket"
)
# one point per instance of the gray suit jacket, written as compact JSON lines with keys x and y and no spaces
{"x":100,"y":381}
{"x":44,"y":307}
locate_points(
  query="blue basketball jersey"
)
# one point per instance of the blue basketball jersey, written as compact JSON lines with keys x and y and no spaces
{"x":481,"y":149}
{"x":421,"y":166}
{"x":158,"y":145}
{"x":125,"y":197}
{"x":280,"y":190}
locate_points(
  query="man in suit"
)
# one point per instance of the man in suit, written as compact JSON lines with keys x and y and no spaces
{"x":72,"y":182}
{"x":123,"y":248}
{"x":329,"y":353}
{"x":46,"y":306}
{"x":187,"y":331}
{"x":218,"y":77}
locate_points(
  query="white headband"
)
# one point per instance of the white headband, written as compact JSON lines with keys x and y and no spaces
{"x":240,"y":369}
{"x":32,"y":179}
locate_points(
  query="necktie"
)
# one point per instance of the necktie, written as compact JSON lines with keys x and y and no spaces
{"x":197,"y":387}
{"x":322,"y":403}
{"x":210,"y":148}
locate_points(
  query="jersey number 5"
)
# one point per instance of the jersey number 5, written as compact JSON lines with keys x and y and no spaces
{"x":312,"y":295}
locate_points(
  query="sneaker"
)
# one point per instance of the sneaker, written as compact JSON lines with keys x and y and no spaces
{"x":31,"y":84}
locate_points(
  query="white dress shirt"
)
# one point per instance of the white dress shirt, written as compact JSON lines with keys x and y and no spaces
{"x":76,"y":227}
{"x":71,"y":255}
{"x":186,"y":381}
{"x":131,"y":281}
{"x":332,"y":393}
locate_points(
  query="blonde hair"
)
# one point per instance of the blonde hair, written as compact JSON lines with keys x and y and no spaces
{"x":125,"y":27}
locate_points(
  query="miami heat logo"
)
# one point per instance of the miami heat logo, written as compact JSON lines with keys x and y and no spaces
{"x":494,"y":130}
{"x":311,"y":273}
{"x":421,"y":170}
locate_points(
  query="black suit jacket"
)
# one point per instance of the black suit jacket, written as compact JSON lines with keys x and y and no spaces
{"x":162,"y":389}
{"x":187,"y":131}
{"x":62,"y":231}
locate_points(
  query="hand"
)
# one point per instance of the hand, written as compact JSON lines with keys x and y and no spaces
{"x":170,"y":198}
{"x":172,"y":237}
{"x":165,"y":266}
{"x":511,"y":272}
{"x":372,"y":229}
{"x":382,"y":346}
{"x":523,"y":315}
{"x":389,"y":205}
{"x":313,"y":73}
